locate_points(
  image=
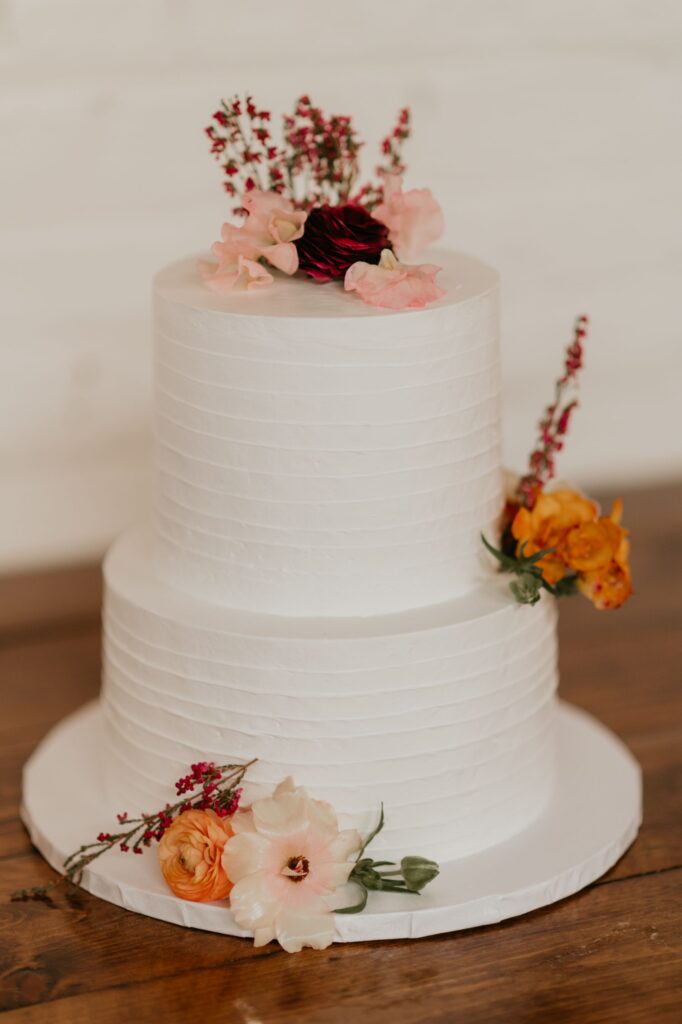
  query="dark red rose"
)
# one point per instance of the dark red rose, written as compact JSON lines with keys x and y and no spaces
{"x":335,"y":237}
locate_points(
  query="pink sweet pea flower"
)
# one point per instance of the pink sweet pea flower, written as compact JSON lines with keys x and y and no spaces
{"x":241,"y":275}
{"x":271,"y":228}
{"x":269,"y":232}
{"x":286,"y":860}
{"x":235,"y":242}
{"x":394,"y":285}
{"x":414,"y":219}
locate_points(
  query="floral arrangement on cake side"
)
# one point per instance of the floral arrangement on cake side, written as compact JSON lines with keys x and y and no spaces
{"x":558,"y":540}
{"x":278,"y":863}
{"x":302,"y":210}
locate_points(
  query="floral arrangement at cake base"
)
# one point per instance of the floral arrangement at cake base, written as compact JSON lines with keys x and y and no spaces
{"x":558,"y":540}
{"x":280,"y":864}
{"x":303,"y":211}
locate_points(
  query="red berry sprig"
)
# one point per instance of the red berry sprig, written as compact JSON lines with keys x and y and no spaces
{"x":316,"y":162}
{"x":241,"y":141}
{"x":214,"y":787}
{"x":555,"y":422}
{"x":321,"y":155}
{"x":371,"y":194}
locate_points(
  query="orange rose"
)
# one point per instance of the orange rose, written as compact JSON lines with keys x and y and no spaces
{"x":190,"y":855}
{"x":609,"y":585}
{"x":547,"y":524}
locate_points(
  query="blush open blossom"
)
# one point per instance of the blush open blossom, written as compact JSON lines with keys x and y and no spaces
{"x":286,"y":860}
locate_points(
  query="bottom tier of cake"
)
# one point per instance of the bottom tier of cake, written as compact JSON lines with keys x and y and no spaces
{"x":445,"y":714}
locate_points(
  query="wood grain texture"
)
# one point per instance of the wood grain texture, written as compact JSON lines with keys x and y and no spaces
{"x":612,"y":953}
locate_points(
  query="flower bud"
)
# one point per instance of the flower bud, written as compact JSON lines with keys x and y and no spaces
{"x":418,"y":872}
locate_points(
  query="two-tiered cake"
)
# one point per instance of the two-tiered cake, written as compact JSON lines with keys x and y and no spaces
{"x":311,"y":591}
{"x":311,"y":608}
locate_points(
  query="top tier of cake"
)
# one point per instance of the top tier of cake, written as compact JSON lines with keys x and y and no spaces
{"x":317,"y":456}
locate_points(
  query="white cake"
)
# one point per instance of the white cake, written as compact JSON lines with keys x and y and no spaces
{"x":311,"y":590}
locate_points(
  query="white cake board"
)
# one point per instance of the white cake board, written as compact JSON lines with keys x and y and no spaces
{"x":592,"y":820}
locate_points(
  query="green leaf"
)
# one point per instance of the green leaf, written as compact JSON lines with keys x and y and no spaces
{"x":355,"y":908}
{"x":507,"y":563}
{"x":373,"y":834}
{"x":565,"y":587}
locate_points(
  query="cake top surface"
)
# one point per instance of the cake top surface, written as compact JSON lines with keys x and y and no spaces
{"x":463,"y":277}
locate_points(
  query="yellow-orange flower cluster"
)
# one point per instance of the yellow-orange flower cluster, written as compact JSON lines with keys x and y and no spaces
{"x":190,"y":855}
{"x":594,"y":548}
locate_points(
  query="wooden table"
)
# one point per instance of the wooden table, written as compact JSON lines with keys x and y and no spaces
{"x":611,"y":953}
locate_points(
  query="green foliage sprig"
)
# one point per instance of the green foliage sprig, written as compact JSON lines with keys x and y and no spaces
{"x":529,"y":582}
{"x":412,"y":876}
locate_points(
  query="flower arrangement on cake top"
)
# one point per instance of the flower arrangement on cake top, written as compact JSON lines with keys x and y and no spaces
{"x":280,"y":863}
{"x":302,"y":210}
{"x":557,"y":540}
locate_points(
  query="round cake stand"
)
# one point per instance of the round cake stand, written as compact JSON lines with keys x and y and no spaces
{"x":593,"y":818}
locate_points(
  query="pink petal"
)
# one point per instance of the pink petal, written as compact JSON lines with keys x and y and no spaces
{"x":251,"y":903}
{"x":414,"y":218}
{"x":283,"y":256}
{"x":403,"y":287}
{"x":244,"y":854}
{"x":284,"y":226}
{"x":261,"y":205}
{"x":296,"y":929}
{"x":281,"y":815}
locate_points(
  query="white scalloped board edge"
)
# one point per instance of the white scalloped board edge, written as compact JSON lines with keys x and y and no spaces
{"x":593,"y":818}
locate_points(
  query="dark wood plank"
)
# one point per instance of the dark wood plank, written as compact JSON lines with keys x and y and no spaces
{"x":610,"y":954}
{"x":45,"y":677}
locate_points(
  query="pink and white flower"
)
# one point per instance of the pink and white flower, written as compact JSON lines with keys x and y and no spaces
{"x":286,"y":860}
{"x":414,"y":219}
{"x":271,"y":228}
{"x":393,"y":285}
{"x":242,"y":274}
{"x":273,"y":225}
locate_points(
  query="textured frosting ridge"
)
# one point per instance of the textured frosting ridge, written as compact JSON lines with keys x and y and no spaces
{"x":444,"y":714}
{"x":316,"y":456}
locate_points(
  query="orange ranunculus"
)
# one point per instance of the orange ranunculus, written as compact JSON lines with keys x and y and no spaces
{"x":592,"y":546}
{"x":607,"y":588}
{"x":547,"y":524}
{"x":190,"y":855}
{"x":610,"y":585}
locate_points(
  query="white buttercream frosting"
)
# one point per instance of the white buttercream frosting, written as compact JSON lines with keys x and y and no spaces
{"x":317,"y":456}
{"x":443,"y":713}
{"x":311,"y":591}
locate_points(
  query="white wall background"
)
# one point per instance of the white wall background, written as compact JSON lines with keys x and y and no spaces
{"x":551,"y":130}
